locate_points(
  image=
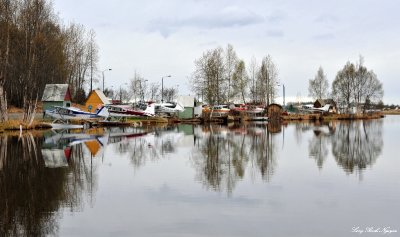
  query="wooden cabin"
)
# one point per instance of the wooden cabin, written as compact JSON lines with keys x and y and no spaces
{"x":274,"y":111}
{"x":96,"y":100}
{"x":56,"y":95}
{"x":322,"y":102}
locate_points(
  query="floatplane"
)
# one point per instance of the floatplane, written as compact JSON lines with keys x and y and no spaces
{"x":70,"y":113}
{"x":311,"y":109}
{"x":63,"y":115}
{"x":126,"y":111}
{"x":168,"y":108}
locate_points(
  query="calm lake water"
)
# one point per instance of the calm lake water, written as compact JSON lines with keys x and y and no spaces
{"x":297,"y":179}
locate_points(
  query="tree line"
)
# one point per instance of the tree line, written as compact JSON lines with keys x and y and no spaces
{"x":353,"y":86}
{"x":37,"y":49}
{"x":220,"y":76}
{"x":139,"y":89}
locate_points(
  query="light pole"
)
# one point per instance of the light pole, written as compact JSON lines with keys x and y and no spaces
{"x":102,"y":72}
{"x":162,"y":88}
{"x":283,"y":88}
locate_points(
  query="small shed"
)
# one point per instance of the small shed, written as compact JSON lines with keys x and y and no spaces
{"x":95,"y":100}
{"x":56,"y":95}
{"x":274,"y":111}
{"x":321,"y":103}
{"x":188,"y":104}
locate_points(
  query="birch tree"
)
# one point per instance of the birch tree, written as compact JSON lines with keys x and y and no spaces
{"x":318,"y":88}
{"x":267,"y":81}
{"x":230,"y":62}
{"x":252,"y":73}
{"x":240,"y":80}
{"x":355,"y":85}
{"x":208,"y":78}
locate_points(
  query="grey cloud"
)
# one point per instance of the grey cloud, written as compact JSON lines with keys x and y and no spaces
{"x":226,"y":18}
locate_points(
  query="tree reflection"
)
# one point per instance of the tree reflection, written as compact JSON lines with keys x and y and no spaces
{"x":264,"y":152}
{"x":357,"y":145}
{"x":318,"y":145}
{"x":31,"y":194}
{"x":221,"y":155}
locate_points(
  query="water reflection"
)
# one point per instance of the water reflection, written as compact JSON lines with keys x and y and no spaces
{"x":30,"y":193}
{"x":354,"y":145}
{"x":43,"y":176}
{"x":221,"y":154}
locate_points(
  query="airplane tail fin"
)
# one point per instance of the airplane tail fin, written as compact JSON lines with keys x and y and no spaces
{"x":103,"y":112}
{"x":150,"y":110}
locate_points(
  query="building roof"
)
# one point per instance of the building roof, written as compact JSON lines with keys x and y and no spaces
{"x":55,"y":92}
{"x":186,"y":101}
{"x":102,"y":96}
{"x":326,"y":101}
{"x":274,"y":104}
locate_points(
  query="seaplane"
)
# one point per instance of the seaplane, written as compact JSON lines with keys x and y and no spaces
{"x":256,"y":113}
{"x":62,"y":116}
{"x":169,"y":108}
{"x":311,"y":108}
{"x":126,"y":111}
{"x":220,"y":110}
{"x":70,"y":113}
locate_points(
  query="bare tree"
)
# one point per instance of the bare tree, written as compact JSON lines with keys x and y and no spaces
{"x":342,"y":86}
{"x":267,"y":81}
{"x":318,"y":88}
{"x":170,"y":94}
{"x":6,"y":20}
{"x":154,"y":91}
{"x":252,"y":72}
{"x":92,"y":55}
{"x":35,"y":49}
{"x":240,"y":80}
{"x":136,"y":87}
{"x":208,"y":78}
{"x":354,"y":84}
{"x":230,"y":63}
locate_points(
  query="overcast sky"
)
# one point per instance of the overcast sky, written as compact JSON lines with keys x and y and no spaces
{"x":162,"y":37}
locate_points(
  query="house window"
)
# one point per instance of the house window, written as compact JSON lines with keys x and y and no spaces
{"x":68,"y":104}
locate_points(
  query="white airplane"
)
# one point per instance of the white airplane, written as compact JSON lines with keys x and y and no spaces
{"x":311,"y":108}
{"x":70,"y":113}
{"x":325,"y":108}
{"x":122,"y":111}
{"x":169,"y":107}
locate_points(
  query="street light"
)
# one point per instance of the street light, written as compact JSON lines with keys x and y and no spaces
{"x":162,"y":88}
{"x":102,"y":72}
{"x":283,"y":88}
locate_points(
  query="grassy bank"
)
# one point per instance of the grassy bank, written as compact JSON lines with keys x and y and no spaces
{"x":391,"y":112}
{"x":15,"y":125}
